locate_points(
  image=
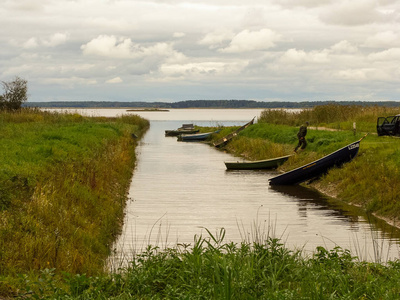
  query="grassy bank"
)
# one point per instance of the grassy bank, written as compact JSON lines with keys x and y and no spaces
{"x":369,"y":181}
{"x":213,"y":269}
{"x":63,"y":184}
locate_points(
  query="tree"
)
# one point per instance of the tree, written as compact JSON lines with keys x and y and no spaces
{"x":15,"y":93}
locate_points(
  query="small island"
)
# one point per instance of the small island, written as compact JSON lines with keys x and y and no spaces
{"x":147,"y":109}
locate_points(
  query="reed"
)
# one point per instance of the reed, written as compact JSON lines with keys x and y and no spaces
{"x":63,"y":185}
{"x":334,"y":116}
{"x":210,"y":268}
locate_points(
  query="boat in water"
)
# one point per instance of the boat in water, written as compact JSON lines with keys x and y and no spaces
{"x":318,"y":167}
{"x":272,"y":163}
{"x":195,"y":137}
{"x":223,"y":141}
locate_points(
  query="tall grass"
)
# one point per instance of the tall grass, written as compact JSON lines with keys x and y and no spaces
{"x":63,"y":185}
{"x":210,"y":268}
{"x":331,"y":115}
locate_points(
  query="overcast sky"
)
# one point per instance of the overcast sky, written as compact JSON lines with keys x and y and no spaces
{"x":173,"y":50}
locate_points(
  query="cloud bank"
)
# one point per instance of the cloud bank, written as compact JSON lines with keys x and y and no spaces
{"x":172,"y":50}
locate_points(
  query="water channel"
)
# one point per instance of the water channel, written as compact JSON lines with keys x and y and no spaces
{"x":180,"y":189}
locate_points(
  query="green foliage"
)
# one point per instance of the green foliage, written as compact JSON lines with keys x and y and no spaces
{"x":212,"y":269}
{"x":331,"y":115}
{"x":15,"y":94}
{"x":63,"y":186}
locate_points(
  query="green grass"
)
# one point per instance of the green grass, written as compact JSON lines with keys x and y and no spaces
{"x":63,"y":184}
{"x":213,"y":269}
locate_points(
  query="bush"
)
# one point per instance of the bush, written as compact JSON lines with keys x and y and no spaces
{"x":15,"y":93}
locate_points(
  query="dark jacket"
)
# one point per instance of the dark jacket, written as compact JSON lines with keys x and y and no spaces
{"x":302,"y":132}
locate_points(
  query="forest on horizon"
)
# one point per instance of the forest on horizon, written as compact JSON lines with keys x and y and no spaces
{"x":203,"y":104}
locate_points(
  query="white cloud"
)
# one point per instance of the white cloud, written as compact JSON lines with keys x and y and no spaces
{"x":383,"y":40}
{"x":114,"y":80}
{"x":31,"y":43}
{"x":178,"y":34}
{"x":257,"y":46}
{"x":124,"y":48}
{"x":344,"y":47}
{"x":300,"y":57}
{"x":392,"y":54}
{"x":109,"y":46}
{"x":56,"y":40}
{"x":305,"y":3}
{"x":247,"y":40}
{"x":216,"y":39}
{"x":353,"y":13}
{"x":52,"y":41}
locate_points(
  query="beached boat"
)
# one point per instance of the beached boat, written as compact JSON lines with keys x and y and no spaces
{"x":195,"y":137}
{"x":318,"y":167}
{"x":185,"y":129}
{"x":178,"y":132}
{"x":223,"y":141}
{"x":257,"y":164}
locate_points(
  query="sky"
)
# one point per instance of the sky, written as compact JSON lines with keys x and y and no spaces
{"x":175,"y":50}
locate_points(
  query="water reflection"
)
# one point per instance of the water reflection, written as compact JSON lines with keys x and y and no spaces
{"x":311,"y":199}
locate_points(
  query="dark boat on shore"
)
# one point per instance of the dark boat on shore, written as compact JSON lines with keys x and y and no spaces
{"x":223,"y":141}
{"x":257,"y":164}
{"x":185,"y":129}
{"x":195,"y":137}
{"x":318,"y":167}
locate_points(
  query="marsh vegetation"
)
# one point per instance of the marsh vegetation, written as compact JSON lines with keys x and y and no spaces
{"x":63,"y":190}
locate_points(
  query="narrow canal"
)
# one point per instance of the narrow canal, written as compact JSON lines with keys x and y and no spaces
{"x":180,"y":189}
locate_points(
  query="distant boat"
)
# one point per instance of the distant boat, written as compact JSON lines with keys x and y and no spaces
{"x":185,"y":129}
{"x":257,"y":164}
{"x":195,"y":137}
{"x":223,"y":141}
{"x":318,"y":167}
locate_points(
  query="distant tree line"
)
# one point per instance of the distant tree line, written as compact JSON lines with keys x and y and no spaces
{"x":204,"y":104}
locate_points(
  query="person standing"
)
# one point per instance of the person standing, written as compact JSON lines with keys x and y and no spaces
{"x":301,"y":135}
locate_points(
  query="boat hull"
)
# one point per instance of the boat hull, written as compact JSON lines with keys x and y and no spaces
{"x":178,"y":132}
{"x":257,"y":165}
{"x":195,"y":137}
{"x":318,"y":167}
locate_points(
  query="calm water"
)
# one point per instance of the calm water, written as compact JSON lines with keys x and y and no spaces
{"x":179,"y":189}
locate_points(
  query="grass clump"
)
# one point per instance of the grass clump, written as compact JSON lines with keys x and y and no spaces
{"x":213,"y":269}
{"x":63,"y":185}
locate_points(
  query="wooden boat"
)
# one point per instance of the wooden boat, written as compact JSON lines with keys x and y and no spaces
{"x":185,"y":129}
{"x":181,"y":131}
{"x":223,"y":141}
{"x":318,"y":167}
{"x":195,"y":137}
{"x":257,"y":164}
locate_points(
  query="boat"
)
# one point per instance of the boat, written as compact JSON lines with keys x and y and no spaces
{"x":182,"y":131}
{"x":223,"y":141}
{"x":318,"y":167}
{"x":257,"y":164}
{"x":195,"y":137}
{"x":185,"y":129}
